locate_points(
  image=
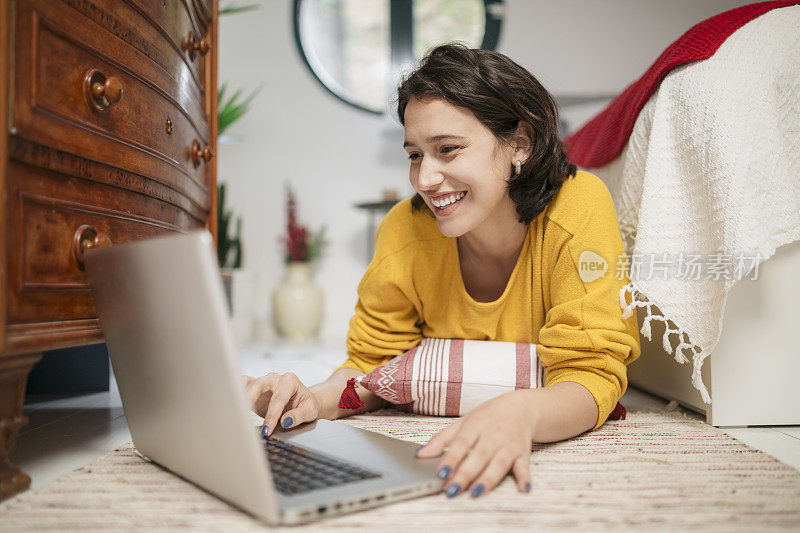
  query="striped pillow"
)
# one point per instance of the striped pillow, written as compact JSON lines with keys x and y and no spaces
{"x":449,"y":377}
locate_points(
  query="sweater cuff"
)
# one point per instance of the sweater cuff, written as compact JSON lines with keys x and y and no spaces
{"x":364,"y":365}
{"x":351,"y":364}
{"x":605,"y":394}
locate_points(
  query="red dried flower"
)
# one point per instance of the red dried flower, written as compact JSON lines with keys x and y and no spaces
{"x":300,"y":244}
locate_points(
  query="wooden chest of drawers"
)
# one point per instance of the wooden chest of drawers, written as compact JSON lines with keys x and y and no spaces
{"x":108,"y":113}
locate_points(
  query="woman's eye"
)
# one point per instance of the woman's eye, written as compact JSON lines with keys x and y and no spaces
{"x":444,"y":150}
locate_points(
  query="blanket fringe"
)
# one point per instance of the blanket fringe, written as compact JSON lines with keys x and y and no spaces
{"x":629,"y":293}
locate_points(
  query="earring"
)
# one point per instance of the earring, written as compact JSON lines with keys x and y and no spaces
{"x":518,"y":167}
{"x":516,"y":149}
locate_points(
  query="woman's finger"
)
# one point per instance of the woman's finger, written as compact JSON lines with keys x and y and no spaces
{"x":439,"y":442}
{"x":259,"y":392}
{"x":305,"y":412}
{"x":522,"y":472}
{"x":284,"y":390}
{"x":485,"y":454}
{"x":498,"y":466}
{"x":459,"y":446}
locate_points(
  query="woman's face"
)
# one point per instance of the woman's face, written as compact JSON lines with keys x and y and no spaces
{"x":457,"y":165}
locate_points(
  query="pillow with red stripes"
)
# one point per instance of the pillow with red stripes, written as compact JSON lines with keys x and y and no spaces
{"x":450,"y":377}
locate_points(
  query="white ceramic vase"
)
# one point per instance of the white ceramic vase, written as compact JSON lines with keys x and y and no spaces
{"x":297,"y":304}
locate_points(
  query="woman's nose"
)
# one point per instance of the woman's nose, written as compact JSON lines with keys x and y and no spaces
{"x":429,"y":176}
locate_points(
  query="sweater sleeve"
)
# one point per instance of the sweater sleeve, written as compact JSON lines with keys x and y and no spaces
{"x":585,"y":339}
{"x":387,"y":320}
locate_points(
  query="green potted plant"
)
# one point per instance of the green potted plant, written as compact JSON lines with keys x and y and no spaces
{"x":237,"y":281}
{"x":229,"y":110}
{"x":229,"y":247}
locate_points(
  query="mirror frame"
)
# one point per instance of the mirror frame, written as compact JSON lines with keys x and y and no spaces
{"x":494,"y":13}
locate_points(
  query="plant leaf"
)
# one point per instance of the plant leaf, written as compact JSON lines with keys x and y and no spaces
{"x":231,"y":110}
{"x":317,"y":244}
{"x":221,"y":93}
{"x":232,"y":9}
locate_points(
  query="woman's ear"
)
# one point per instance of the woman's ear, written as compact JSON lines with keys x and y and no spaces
{"x":523,"y":141}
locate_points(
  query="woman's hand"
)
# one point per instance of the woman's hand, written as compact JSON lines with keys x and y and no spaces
{"x":281,"y":396}
{"x":481,"y":447}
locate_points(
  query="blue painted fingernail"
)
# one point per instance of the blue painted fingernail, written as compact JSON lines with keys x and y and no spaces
{"x":452,"y":490}
{"x":444,"y":472}
{"x":419,"y":450}
{"x":287,"y":421}
{"x":477,"y":491}
{"x":527,"y":487}
{"x":264,"y":431}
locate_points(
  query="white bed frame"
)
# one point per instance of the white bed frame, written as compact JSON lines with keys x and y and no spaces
{"x":753,"y":374}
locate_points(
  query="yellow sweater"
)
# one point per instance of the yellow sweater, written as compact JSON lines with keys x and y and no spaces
{"x":413,"y":289}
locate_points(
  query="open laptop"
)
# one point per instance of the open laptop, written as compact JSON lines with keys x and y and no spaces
{"x":163,"y":312}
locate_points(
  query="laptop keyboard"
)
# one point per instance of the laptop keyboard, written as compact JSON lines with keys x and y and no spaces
{"x":296,"y":470}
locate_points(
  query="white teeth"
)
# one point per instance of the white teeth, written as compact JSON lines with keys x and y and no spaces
{"x":447,"y":200}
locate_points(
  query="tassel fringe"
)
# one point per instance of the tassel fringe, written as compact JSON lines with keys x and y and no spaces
{"x":618,"y":413}
{"x":350,"y":399}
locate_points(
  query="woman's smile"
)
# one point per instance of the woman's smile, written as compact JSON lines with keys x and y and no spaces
{"x":446,"y":204}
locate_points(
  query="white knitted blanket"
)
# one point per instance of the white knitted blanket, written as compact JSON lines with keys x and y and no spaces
{"x":711,"y":177}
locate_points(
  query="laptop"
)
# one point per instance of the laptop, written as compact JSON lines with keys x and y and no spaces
{"x":163,"y":312}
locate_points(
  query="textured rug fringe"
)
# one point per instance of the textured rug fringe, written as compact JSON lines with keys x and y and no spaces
{"x":673,"y":410}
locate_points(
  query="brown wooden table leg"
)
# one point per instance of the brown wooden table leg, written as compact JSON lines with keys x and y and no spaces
{"x":14,"y":371}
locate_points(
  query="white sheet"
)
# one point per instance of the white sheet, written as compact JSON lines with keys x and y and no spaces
{"x":712,"y":166}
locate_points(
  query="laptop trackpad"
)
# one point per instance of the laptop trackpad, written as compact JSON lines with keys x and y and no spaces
{"x":376,"y":452}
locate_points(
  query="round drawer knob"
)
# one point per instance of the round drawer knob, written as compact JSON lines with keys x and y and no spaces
{"x":200,"y":46}
{"x":87,"y":237}
{"x":101,"y":91}
{"x":201,"y":154}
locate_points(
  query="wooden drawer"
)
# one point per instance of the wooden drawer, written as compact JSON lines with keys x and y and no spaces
{"x":178,"y":18}
{"x":147,"y":132}
{"x":48,"y":214}
{"x":173,"y":13}
{"x":159,"y":32}
{"x":181,"y":29}
{"x":204,"y":11}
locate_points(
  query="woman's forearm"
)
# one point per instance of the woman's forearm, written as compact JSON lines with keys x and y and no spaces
{"x":330,"y":391}
{"x":561,"y":411}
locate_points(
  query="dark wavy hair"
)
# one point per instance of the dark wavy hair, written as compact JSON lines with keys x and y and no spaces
{"x":500,"y":93}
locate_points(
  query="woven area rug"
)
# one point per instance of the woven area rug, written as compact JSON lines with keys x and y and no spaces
{"x":653,"y":471}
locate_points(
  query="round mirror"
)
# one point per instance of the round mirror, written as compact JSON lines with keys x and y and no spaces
{"x":359,"y":49}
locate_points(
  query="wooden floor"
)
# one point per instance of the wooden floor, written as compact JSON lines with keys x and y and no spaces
{"x":66,"y":433}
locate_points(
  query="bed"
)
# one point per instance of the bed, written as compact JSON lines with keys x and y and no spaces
{"x":711,"y":172}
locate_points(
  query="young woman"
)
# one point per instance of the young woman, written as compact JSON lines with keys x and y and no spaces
{"x":497,"y":245}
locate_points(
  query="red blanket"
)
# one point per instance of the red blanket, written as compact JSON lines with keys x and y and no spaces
{"x":601,"y":139}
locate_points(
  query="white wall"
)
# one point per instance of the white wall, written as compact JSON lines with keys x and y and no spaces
{"x":335,"y":155}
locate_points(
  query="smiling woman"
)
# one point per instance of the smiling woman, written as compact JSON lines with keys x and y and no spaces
{"x":490,"y":249}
